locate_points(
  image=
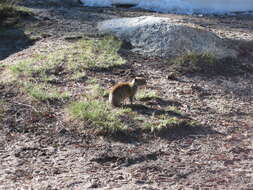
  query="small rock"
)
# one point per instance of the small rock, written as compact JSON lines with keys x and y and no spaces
{"x":63,"y":131}
{"x":172,"y":76}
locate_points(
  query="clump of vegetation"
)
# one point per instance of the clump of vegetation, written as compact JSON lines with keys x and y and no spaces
{"x":98,"y":92}
{"x":101,"y":53}
{"x":140,"y":118}
{"x":10,"y":12}
{"x":100,"y":115}
{"x":165,"y":123}
{"x":29,"y":68}
{"x":145,"y":95}
{"x":194,"y":62}
{"x":71,"y":60}
{"x":206,"y":63}
{"x":174,"y":110}
{"x":93,"y":109}
{"x":41,"y":67}
{"x":79,"y":76}
{"x":44,"y":92}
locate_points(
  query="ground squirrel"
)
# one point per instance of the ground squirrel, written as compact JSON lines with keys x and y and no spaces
{"x":124,"y":90}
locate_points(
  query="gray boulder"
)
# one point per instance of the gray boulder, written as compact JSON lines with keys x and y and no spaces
{"x":59,"y":2}
{"x":164,"y":37}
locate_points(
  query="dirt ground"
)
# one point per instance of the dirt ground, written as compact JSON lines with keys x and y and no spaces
{"x":46,"y":153}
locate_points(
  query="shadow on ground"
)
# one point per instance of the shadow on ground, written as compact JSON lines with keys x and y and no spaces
{"x":183,"y":127}
{"x":13,"y":40}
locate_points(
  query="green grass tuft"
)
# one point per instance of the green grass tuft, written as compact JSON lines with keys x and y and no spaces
{"x":101,"y":53}
{"x":173,"y":109}
{"x":99,"y":114}
{"x":71,"y":60}
{"x":146,"y":94}
{"x":78,"y":76}
{"x":165,"y":123}
{"x":44,"y":92}
{"x":23,"y":68}
{"x":98,"y":92}
{"x":39,"y":66}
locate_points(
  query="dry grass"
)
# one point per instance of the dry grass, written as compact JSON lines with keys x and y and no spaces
{"x":165,"y":123}
{"x":207,"y":64}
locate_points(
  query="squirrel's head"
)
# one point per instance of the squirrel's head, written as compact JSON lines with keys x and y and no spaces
{"x":139,"y":81}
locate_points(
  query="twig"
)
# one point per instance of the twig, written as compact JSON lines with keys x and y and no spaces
{"x":27,"y":105}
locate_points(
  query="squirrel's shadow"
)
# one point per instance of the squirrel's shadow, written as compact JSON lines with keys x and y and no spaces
{"x":149,"y":111}
{"x":151,"y":104}
{"x":182,"y":130}
{"x":160,"y":102}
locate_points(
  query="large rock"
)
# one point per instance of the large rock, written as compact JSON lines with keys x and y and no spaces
{"x":57,"y":2}
{"x":101,"y":3}
{"x":165,"y":37}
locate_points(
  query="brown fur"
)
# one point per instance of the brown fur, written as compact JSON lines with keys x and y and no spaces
{"x":124,"y":90}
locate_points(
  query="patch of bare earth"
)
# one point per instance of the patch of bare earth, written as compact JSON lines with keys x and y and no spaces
{"x":40,"y":149}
